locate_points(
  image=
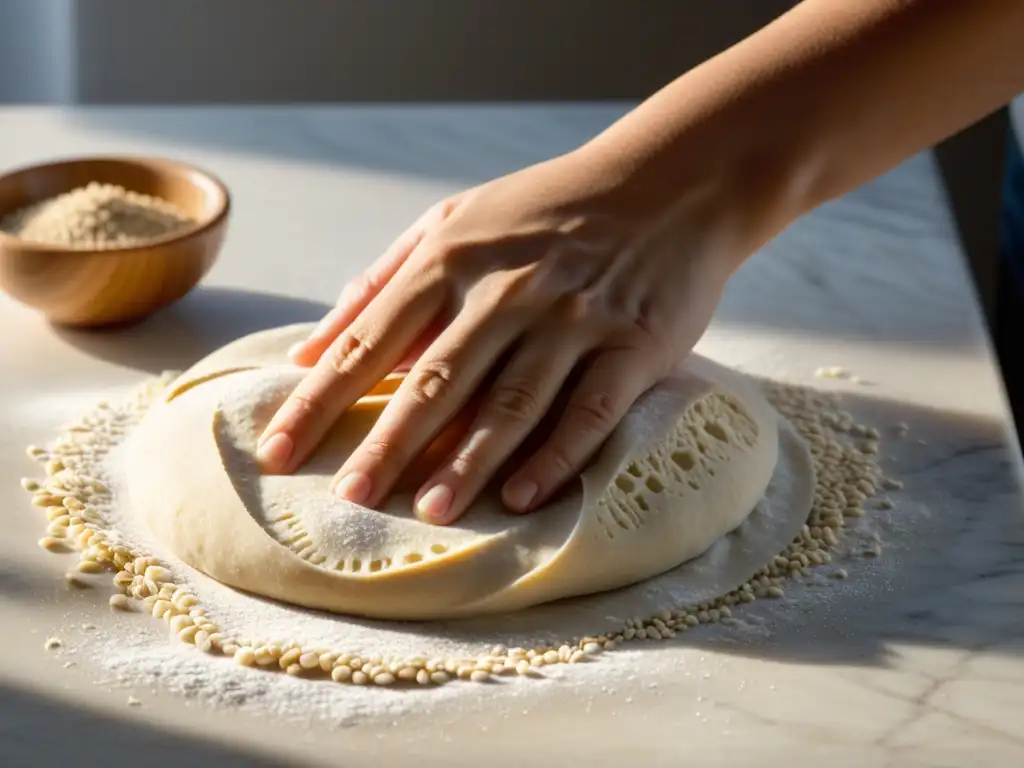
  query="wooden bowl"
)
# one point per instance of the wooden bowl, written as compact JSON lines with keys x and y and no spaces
{"x":80,"y":287}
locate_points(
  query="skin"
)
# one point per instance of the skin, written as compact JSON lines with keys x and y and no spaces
{"x":594,"y":273}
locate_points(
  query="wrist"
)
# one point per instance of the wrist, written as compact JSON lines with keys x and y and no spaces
{"x":712,"y":183}
{"x":825,"y":98}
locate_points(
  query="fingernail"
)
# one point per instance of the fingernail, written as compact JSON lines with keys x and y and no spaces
{"x":434,"y":505}
{"x":274,"y":452}
{"x":519,"y":493}
{"x":354,"y":487}
{"x":296,"y":348}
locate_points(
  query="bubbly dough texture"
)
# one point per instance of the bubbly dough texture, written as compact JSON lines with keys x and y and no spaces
{"x":686,"y":466}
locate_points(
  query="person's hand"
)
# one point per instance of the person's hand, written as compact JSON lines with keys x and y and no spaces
{"x":498,"y":296}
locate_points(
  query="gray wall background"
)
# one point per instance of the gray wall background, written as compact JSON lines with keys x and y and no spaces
{"x":36,"y":50}
{"x":242,"y":51}
{"x":118,"y":51}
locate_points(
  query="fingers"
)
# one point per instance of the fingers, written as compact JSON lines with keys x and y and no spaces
{"x":357,"y":295}
{"x":611,"y":384}
{"x":423,"y":343}
{"x":426,"y":464}
{"x":521,"y":395}
{"x":432,"y":394}
{"x":356,"y":360}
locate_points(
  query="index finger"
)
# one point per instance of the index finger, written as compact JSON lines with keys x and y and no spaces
{"x":354,"y":298}
{"x":355,"y":361}
{"x":359,"y":292}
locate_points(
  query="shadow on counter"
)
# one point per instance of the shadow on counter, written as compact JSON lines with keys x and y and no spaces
{"x":951,"y":558}
{"x":461,"y":144}
{"x":951,"y":572}
{"x":892,"y":241}
{"x":949,"y":576}
{"x":179,"y":336}
{"x":27,"y":721}
{"x":19,"y":582}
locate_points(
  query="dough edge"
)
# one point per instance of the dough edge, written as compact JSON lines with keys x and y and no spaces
{"x":233,"y":548}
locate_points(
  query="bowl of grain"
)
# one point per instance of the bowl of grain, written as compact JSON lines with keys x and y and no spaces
{"x":108,"y":240}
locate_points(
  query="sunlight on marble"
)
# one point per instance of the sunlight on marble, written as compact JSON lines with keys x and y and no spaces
{"x":917,"y":659}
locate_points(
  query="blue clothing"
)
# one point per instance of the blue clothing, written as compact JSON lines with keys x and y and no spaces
{"x":1009,"y":314}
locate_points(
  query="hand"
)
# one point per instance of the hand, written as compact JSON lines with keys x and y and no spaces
{"x":497,"y":297}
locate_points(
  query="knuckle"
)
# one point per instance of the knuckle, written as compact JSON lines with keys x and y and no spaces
{"x":349,"y":351}
{"x":643,"y":347}
{"x":594,"y":411}
{"x":582,"y":307}
{"x":622,"y":302}
{"x":305,"y":406}
{"x":358,"y":288}
{"x":469,"y":464}
{"x":651,"y":351}
{"x":515,"y":400}
{"x":383,"y":449}
{"x":513,"y":286}
{"x":443,"y":256}
{"x":559,"y":459}
{"x":648,"y":337}
{"x":503,"y":292}
{"x":443,"y":209}
{"x":649,"y":327}
{"x":430,"y":382}
{"x":575,"y":266}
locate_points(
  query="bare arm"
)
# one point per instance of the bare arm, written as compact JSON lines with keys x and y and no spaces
{"x":608,"y":261}
{"x":827,"y":97}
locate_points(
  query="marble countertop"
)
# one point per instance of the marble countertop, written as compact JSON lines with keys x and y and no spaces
{"x":917,"y":661}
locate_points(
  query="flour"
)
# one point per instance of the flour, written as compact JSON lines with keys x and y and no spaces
{"x":131,"y":661}
{"x":135,"y":657}
{"x":137,"y":653}
{"x":728,"y":563}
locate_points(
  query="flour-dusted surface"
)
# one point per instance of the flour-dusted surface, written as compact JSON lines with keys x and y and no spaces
{"x":142,"y":658}
{"x":88,"y":466}
{"x":914,"y":660}
{"x":683,"y":469}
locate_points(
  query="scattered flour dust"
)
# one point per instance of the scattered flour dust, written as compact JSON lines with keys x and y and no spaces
{"x":138,"y":653}
{"x":149,"y":659}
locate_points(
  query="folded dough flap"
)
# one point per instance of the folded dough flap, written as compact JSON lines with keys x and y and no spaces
{"x":288,"y":538}
{"x":687,"y":465}
{"x":299,"y":510}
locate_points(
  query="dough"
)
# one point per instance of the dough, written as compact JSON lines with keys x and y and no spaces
{"x":687,"y":465}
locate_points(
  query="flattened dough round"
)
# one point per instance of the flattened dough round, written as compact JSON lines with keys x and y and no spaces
{"x":686,"y":466}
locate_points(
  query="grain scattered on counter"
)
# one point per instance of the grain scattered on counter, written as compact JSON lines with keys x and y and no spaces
{"x":849,"y":481}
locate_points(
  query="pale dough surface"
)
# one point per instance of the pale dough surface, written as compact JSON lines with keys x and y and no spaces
{"x":686,"y":466}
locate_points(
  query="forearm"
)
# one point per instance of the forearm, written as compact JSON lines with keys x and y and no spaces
{"x":828,"y":96}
